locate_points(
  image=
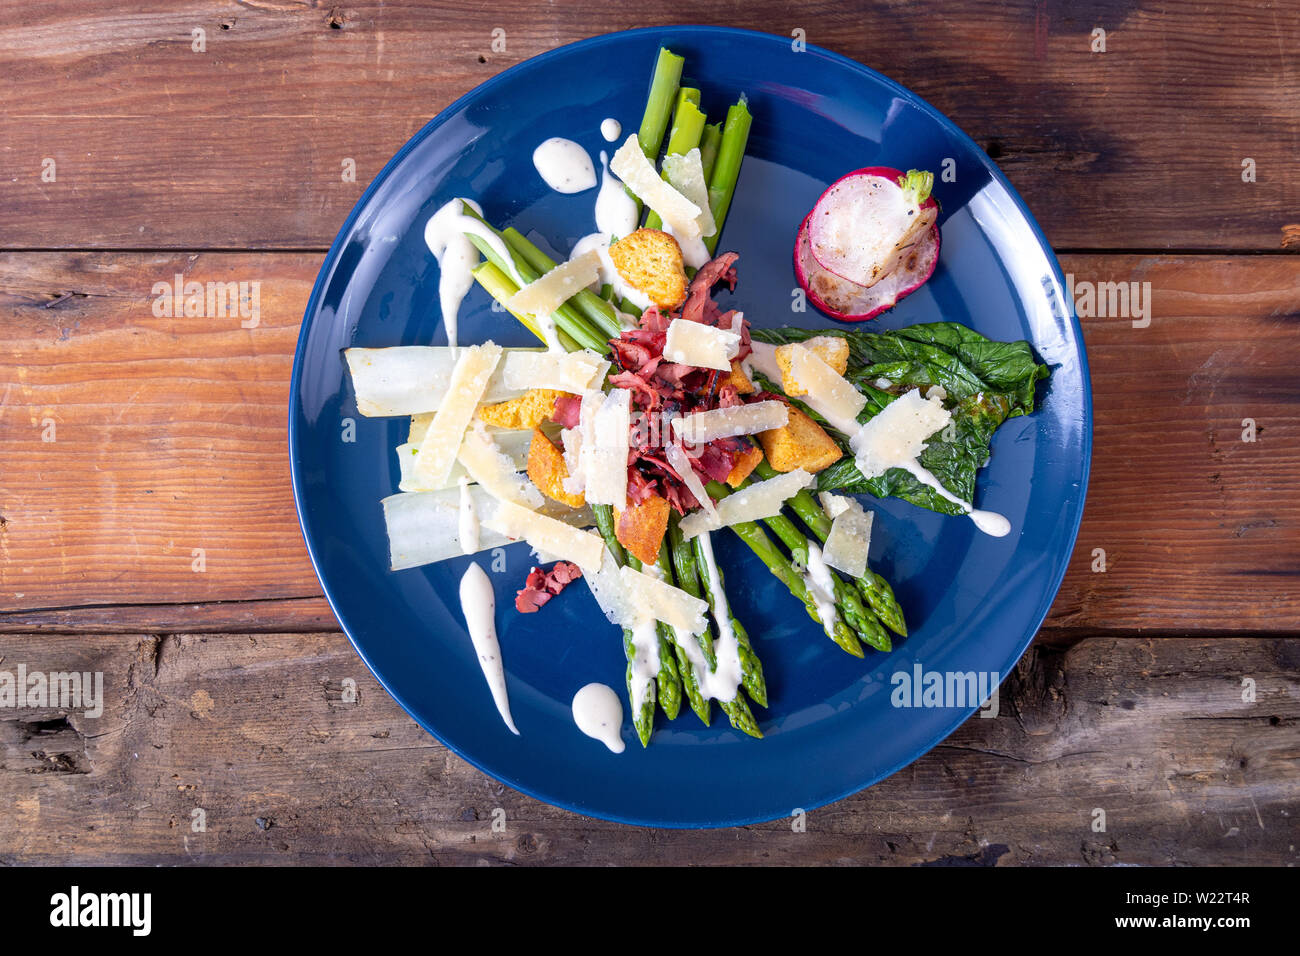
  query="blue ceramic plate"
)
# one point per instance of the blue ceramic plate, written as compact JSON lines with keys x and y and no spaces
{"x":973,"y":602}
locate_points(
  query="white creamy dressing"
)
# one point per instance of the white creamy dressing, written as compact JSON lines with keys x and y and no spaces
{"x":599,"y":714}
{"x":444,"y":234}
{"x":822,"y":588}
{"x":609,"y":274}
{"x":479,"y":606}
{"x":564,"y":165}
{"x":723,"y":683}
{"x":616,"y":212}
{"x":611,"y":129}
{"x":645,"y":661}
{"x":467,"y":529}
{"x":694,"y":252}
{"x":990,"y":522}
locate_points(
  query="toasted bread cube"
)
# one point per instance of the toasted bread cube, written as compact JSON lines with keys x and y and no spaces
{"x":641,"y":528}
{"x":831,"y":349}
{"x":546,"y":469}
{"x":746,"y":463}
{"x":651,"y":261}
{"x":799,"y":443}
{"x":527,"y":411}
{"x":739,"y":379}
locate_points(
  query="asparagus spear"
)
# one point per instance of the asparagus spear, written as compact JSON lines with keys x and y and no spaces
{"x":658,"y":107}
{"x":688,"y":579}
{"x":643,"y":720}
{"x":690,"y":679}
{"x":873,"y":588}
{"x":751,"y":669}
{"x":710,"y":140}
{"x":668,"y":680}
{"x":726,"y":169}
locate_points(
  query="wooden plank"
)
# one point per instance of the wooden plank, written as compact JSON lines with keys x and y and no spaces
{"x":254,"y":731}
{"x":157,"y":145}
{"x":177,"y":442}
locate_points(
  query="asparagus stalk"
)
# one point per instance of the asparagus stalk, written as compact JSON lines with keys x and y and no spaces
{"x":751,"y":670}
{"x":689,"y":580}
{"x":690,"y":679}
{"x":659,"y":107}
{"x":668,"y":680}
{"x":726,"y":169}
{"x":643,"y":720}
{"x":710,"y":140}
{"x":873,"y":588}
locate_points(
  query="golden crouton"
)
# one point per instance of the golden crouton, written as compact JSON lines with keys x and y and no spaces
{"x":747,"y":462}
{"x":641,"y":528}
{"x":831,"y":349}
{"x":651,"y":261}
{"x":739,"y":379}
{"x":527,"y":411}
{"x":546,"y":469}
{"x":799,"y":443}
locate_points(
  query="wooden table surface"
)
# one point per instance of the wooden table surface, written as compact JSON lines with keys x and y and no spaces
{"x":1163,"y":690}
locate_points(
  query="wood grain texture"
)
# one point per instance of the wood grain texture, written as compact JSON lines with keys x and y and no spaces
{"x":241,"y":145}
{"x":255,"y":731}
{"x":171,"y":436}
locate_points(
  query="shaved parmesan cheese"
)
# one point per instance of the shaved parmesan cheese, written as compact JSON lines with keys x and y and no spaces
{"x":846,"y":546}
{"x":513,"y":444}
{"x":630,"y":165}
{"x":685,"y":173}
{"x":424,"y":527}
{"x":495,"y":471}
{"x":550,"y":536}
{"x":680,"y":463}
{"x":571,"y":441}
{"x":604,"y":422}
{"x":896,"y":436}
{"x":630,"y":597}
{"x":413,"y":379}
{"x":442,"y":442}
{"x":754,"y":502}
{"x":834,"y":505}
{"x":544,"y":295}
{"x":566,"y":371}
{"x":703,"y":427}
{"x":829,"y":393}
{"x":704,"y":346}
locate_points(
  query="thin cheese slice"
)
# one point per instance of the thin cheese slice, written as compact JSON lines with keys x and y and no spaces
{"x":629,"y":597}
{"x":834,"y":505}
{"x":566,"y":371}
{"x":549,"y":536}
{"x":514,"y":443}
{"x":754,"y":502}
{"x":494,"y":470}
{"x":680,"y":462}
{"x":829,"y":393}
{"x":424,"y":527}
{"x":685,"y":173}
{"x":630,"y":165}
{"x":544,"y":295}
{"x":896,"y":437}
{"x":704,"y":346}
{"x":704,"y":427}
{"x":605,"y":421}
{"x":465,"y":390}
{"x":850,"y":538}
{"x":412,"y":379}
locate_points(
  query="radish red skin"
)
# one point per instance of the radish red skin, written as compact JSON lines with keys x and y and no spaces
{"x":801,"y":270}
{"x":930,"y":207}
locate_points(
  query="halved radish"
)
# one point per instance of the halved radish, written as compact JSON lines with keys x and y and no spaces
{"x":867,"y":222}
{"x":842,"y":299}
